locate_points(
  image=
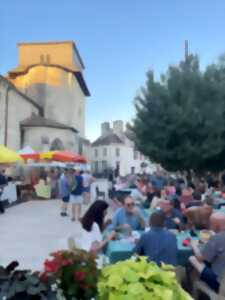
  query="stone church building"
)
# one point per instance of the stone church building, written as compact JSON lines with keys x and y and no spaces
{"x":42,"y":100}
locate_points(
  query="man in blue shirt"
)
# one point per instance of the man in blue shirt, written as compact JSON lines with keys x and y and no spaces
{"x":158,"y":244}
{"x":64,"y":191}
{"x":173,"y":217}
{"x":76,"y":196}
{"x":128,"y":216}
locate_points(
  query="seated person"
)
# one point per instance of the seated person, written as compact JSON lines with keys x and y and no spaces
{"x":158,"y":244}
{"x":198,"y":217}
{"x":159,"y":196}
{"x":137,"y":194}
{"x":92,"y":227}
{"x":173,"y":217}
{"x":197,"y":197}
{"x":210,"y":260}
{"x":128,"y":216}
{"x":186,"y":197}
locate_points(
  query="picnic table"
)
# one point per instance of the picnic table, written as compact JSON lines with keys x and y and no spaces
{"x":123,"y":249}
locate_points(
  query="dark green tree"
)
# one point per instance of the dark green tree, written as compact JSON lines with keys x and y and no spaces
{"x":180,"y":119}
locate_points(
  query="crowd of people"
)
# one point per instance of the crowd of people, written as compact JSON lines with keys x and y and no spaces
{"x":177,"y":203}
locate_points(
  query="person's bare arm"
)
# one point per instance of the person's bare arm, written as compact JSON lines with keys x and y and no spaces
{"x":196,"y":250}
{"x":97,"y":246}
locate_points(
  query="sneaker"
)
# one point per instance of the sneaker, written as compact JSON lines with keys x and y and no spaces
{"x":63,"y":214}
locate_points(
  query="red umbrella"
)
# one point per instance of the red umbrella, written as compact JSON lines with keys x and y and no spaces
{"x":64,"y":156}
{"x":33,"y":156}
{"x":80,"y":159}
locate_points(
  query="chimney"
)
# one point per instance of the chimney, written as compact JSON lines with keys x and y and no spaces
{"x":118,"y":127}
{"x":105,"y":128}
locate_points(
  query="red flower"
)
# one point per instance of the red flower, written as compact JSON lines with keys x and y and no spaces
{"x":51,"y":266}
{"x":67,"y":262}
{"x":79,"y":275}
{"x":44,"y":277}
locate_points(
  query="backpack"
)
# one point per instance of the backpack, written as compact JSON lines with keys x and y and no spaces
{"x":72,"y":183}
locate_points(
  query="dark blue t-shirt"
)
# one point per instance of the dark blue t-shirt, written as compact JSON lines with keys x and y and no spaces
{"x":169,"y":223}
{"x":79,"y":186}
{"x":159,"y":245}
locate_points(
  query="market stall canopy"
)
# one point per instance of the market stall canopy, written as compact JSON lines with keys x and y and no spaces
{"x":8,"y":156}
{"x":65,"y":156}
{"x":80,"y":159}
{"x":47,"y":155}
{"x":28,"y":153}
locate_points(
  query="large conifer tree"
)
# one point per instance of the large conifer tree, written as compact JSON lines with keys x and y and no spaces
{"x":180,"y":120}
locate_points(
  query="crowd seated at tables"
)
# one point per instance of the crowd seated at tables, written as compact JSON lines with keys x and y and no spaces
{"x":174,"y":203}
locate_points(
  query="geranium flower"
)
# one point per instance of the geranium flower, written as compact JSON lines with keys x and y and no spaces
{"x":51,"y":266}
{"x":79,"y":275}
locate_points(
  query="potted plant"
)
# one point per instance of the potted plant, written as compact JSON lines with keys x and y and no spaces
{"x":74,"y":272}
{"x":23,"y":285}
{"x":139,"y":279}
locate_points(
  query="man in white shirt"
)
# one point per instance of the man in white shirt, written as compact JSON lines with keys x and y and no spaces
{"x":87,"y":181}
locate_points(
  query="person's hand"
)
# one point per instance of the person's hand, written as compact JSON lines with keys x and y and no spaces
{"x":126,"y":226}
{"x":176,"y":221}
{"x":194,"y":243}
{"x":111,"y":236}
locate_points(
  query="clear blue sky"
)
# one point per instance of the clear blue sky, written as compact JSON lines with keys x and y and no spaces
{"x":119,"y":40}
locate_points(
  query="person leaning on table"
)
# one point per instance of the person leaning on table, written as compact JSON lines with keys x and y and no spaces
{"x":210,"y":260}
{"x":128,"y":216}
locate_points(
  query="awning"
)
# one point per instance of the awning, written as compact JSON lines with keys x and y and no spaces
{"x":8,"y":156}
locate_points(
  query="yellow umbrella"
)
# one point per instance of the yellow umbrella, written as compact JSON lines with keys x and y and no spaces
{"x":8,"y":156}
{"x":47,"y":155}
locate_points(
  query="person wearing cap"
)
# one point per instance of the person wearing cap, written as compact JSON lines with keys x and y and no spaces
{"x":158,"y":244}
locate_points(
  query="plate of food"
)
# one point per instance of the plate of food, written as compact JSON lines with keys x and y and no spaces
{"x":205,"y":235}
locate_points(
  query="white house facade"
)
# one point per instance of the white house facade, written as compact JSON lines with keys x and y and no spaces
{"x":113,"y":149}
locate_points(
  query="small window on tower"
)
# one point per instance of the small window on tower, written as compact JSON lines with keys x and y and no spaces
{"x":47,"y":59}
{"x":42,"y":59}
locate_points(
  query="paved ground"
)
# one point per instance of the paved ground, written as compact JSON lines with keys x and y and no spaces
{"x":30,"y":231}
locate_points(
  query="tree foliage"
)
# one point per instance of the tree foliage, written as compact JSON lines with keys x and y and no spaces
{"x":180,"y":119}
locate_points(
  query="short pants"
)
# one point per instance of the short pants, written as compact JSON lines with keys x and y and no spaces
{"x":209,"y":277}
{"x":76,"y":199}
{"x":66,"y":199}
{"x":86,"y":189}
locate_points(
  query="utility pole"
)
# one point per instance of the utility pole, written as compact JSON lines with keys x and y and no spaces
{"x":6,"y":113}
{"x":186,"y":50}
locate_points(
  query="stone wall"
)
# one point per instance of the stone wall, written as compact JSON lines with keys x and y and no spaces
{"x":42,"y":138}
{"x":19,"y":108}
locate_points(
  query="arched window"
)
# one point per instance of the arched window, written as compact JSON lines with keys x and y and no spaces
{"x":57,"y":144}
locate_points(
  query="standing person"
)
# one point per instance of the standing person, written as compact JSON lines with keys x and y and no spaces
{"x":64,"y":190}
{"x":3,"y":182}
{"x":87,"y":181}
{"x":76,"y":196}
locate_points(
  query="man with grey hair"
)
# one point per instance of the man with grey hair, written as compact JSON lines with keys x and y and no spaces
{"x":210,"y":260}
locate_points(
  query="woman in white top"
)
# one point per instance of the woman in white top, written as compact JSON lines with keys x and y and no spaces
{"x":93,"y":225}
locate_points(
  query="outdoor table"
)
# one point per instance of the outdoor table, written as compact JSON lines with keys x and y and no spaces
{"x":122,"y":249}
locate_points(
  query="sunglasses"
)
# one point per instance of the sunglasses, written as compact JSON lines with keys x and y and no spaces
{"x":130,"y":204}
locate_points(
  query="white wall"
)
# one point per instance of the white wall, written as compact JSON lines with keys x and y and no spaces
{"x":126,"y":158}
{"x":33,"y":137}
{"x":18,"y":110}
